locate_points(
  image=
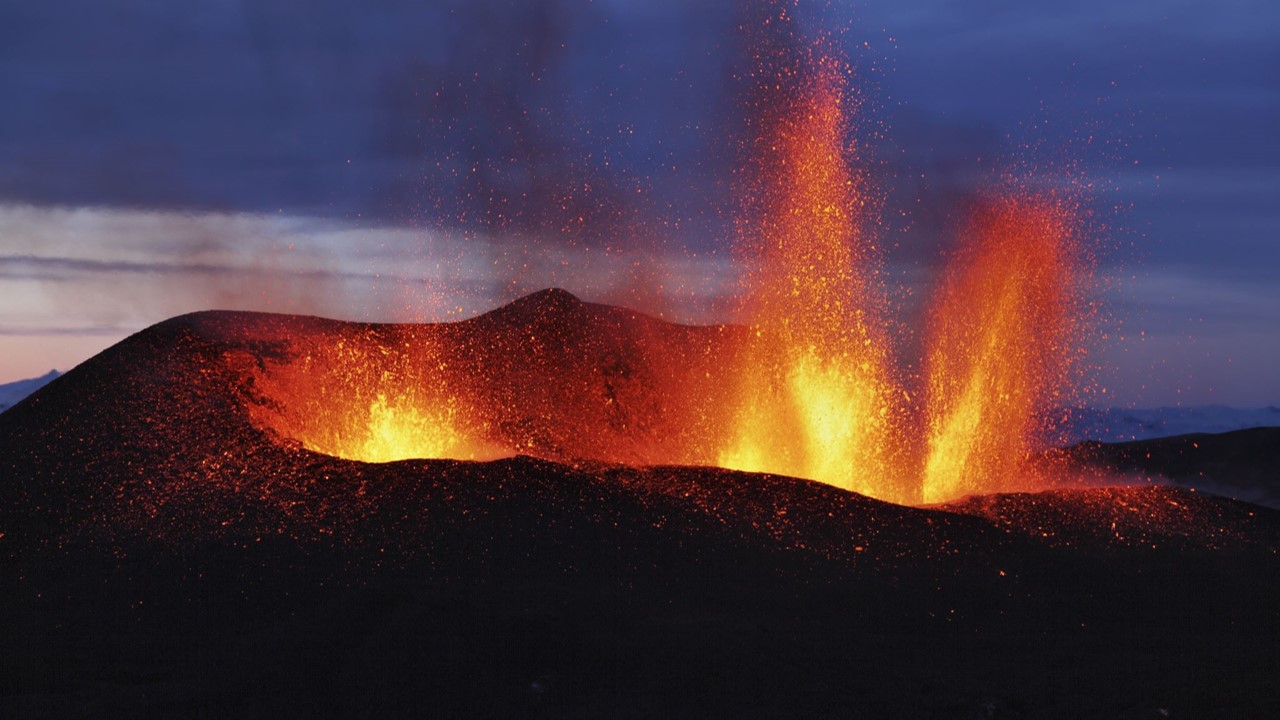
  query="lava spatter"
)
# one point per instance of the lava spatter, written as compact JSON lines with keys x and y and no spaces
{"x":815,"y":397}
{"x":1003,"y":346}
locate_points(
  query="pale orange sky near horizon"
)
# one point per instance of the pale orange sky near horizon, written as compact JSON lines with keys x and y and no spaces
{"x":76,"y":281}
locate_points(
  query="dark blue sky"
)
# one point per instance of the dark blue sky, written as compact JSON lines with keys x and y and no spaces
{"x":618,"y":122}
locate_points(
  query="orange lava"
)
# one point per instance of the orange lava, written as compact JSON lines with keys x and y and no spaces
{"x":1002,"y":345}
{"x":810,"y":388}
{"x":364,"y":398}
{"x":814,"y":395}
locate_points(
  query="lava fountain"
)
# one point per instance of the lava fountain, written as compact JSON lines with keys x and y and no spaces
{"x":817,"y":393}
{"x":374,"y":397}
{"x":810,"y":387}
{"x":815,"y":397}
{"x":1002,"y":346}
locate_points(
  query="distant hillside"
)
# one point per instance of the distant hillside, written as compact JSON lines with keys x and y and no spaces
{"x":1124,"y":425}
{"x":1240,"y":464}
{"x":13,"y":393}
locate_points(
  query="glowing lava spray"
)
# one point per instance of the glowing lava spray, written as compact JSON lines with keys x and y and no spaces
{"x":815,"y":396}
{"x":813,"y":390}
{"x":1004,"y":344}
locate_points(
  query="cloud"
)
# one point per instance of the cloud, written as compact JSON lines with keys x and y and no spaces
{"x":561,"y":118}
{"x":111,"y":331}
{"x":65,"y":269}
{"x":91,"y":276}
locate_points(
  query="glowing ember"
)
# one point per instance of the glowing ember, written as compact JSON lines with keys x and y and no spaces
{"x":1001,"y":348}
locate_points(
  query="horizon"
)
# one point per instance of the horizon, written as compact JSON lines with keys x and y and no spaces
{"x":463,"y":316}
{"x":425,"y":164}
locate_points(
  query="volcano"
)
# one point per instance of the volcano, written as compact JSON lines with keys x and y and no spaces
{"x":191,"y":525}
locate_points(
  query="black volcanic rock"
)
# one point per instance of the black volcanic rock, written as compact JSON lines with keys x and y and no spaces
{"x":1110,"y":518}
{"x":169,"y":554}
{"x":1242,"y":464}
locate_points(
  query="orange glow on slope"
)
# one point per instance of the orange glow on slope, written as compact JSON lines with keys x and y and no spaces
{"x":814,"y":398}
{"x":363,"y":399}
{"x":1002,"y":345}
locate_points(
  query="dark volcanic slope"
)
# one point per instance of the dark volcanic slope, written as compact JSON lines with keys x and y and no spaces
{"x":167,"y":554}
{"x":1243,"y":464}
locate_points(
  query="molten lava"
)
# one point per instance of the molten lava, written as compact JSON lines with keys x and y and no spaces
{"x":809,"y":388}
{"x":1002,"y":346}
{"x":815,"y":397}
{"x":367,"y":398}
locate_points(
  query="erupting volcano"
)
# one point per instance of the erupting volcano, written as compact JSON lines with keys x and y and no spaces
{"x":567,"y":509}
{"x":810,"y":386}
{"x":187,"y":488}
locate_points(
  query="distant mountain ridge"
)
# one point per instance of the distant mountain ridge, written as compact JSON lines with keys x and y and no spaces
{"x":1128,"y":424}
{"x":12,"y":393}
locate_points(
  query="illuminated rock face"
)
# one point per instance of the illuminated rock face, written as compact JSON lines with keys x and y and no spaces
{"x":548,"y":376}
{"x":553,"y":377}
{"x":556,"y":378}
{"x":202,"y":424}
